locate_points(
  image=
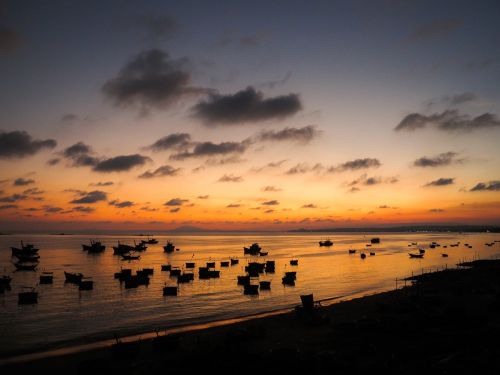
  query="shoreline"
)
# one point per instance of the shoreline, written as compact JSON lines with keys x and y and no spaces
{"x":445,"y":320}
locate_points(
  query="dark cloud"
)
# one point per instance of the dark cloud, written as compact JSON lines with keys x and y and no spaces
{"x":13,"y":198}
{"x":436,"y":210}
{"x":105,"y":183}
{"x":273,"y":202}
{"x":370,"y":181}
{"x":357,"y":164}
{"x":230,"y":178}
{"x":19,"y":144}
{"x":270,"y":165}
{"x":204,"y":149}
{"x":268,"y":211}
{"x":164,"y":170}
{"x":149,"y":209}
{"x":203,"y":196}
{"x":76,"y":150}
{"x":271,"y":189}
{"x":448,"y":121}
{"x":69,"y":118}
{"x":9,"y":40}
{"x":302,"y":168}
{"x":33,"y":191}
{"x":247,"y":105}
{"x":122,"y":204}
{"x":487,"y":186}
{"x":79,"y":155}
{"x":233,"y":205}
{"x":53,"y":161}
{"x":434,"y":29}
{"x":121,"y":163}
{"x":172,"y":141}
{"x":90,"y":197}
{"x":151,"y":79}
{"x":174,"y":210}
{"x":8,"y":206}
{"x":440,"y":160}
{"x":310,"y":205}
{"x":52,"y":209}
{"x":23,"y":181}
{"x":83,"y":209}
{"x":300,"y":135}
{"x":176,"y":202}
{"x":458,"y":99}
{"x":441,"y":182}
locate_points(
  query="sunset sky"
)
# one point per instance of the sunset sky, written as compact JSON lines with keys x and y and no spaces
{"x":269,"y":115}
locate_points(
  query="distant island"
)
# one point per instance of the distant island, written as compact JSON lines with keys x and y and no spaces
{"x":409,"y":228}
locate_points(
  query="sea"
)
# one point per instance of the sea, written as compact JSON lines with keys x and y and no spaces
{"x":65,"y":316}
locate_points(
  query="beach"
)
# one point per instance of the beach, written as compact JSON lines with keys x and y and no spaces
{"x":446,"y":322}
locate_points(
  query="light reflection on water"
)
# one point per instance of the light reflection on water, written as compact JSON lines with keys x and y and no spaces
{"x":65,"y":315}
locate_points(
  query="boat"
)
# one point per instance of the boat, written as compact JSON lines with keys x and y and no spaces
{"x":375,"y":240}
{"x":265,"y":285}
{"x":352,"y":251}
{"x":207,"y":273}
{"x":210,"y":264}
{"x":148,"y":271}
{"x":224,"y":263}
{"x":151,"y":241}
{"x":326,"y":243}
{"x":185,"y":277}
{"x":251,"y":289}
{"x":243,"y":280}
{"x":5,"y":280}
{"x":175,"y":271}
{"x":416,"y":255}
{"x":73,"y":277}
{"x":169,"y":247}
{"x":287,"y":280}
{"x":94,"y":247}
{"x":122,"y":249}
{"x":24,"y":249}
{"x":291,"y":274}
{"x":254,"y":249}
{"x":46,"y":278}
{"x":254,"y":268}
{"x":270,"y":264}
{"x":234,"y":261}
{"x":27,"y":297}
{"x":421,"y":251}
{"x":25,"y":267}
{"x":444,"y":255}
{"x":129,"y":256}
{"x":263,"y":253}
{"x":86,"y":284}
{"x":140,"y":246}
{"x":372,"y":253}
{"x":363,"y":255}
{"x":170,"y":290}
{"x":190,"y":264}
{"x":294,"y":262}
{"x":166,"y":267}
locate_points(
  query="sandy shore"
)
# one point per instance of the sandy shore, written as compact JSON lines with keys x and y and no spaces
{"x":447,"y":322}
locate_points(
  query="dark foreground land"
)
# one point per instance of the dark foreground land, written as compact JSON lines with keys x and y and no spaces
{"x":448,"y":322}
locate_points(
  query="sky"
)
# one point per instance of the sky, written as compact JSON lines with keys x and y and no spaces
{"x":262,"y":115}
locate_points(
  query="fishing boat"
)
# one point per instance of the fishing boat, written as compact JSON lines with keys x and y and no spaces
{"x":170,"y":290}
{"x":27,"y":297}
{"x":224,"y":263}
{"x":169,"y":247}
{"x":270,"y":264}
{"x":129,"y":256}
{"x":375,"y":240}
{"x":94,"y":247}
{"x":210,"y":264}
{"x":73,"y":277}
{"x":166,"y":267}
{"x":326,"y":243}
{"x":265,"y":285}
{"x":26,"y":267}
{"x":362,"y":255}
{"x":263,"y":253}
{"x":243,"y":280}
{"x":294,"y":262}
{"x":190,"y":264}
{"x":352,"y":251}
{"x":122,"y":249}
{"x":251,"y":289}
{"x":46,"y":278}
{"x":152,"y":241}
{"x":86,"y":284}
{"x":24,"y":249}
{"x":416,"y":255}
{"x":140,"y":246}
{"x":234,"y":261}
{"x":175,"y":271}
{"x":185,"y":277}
{"x":254,"y":249}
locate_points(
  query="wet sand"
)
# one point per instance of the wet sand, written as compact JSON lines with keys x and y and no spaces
{"x":447,"y":322}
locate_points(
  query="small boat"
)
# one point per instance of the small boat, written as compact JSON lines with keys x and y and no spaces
{"x":291,"y":274}
{"x":421,"y":251}
{"x":255,"y":268}
{"x":254,"y":249}
{"x":123,"y":274}
{"x":148,"y":271}
{"x":28,"y":297}
{"x":185,"y":277}
{"x":243,"y":280}
{"x":140,"y":246}
{"x":94,"y":247}
{"x":326,"y":243}
{"x":122,"y":249}
{"x":234,"y":261}
{"x":288,"y":281}
{"x":352,"y":251}
{"x":265,"y":285}
{"x":86,"y":284}
{"x":175,"y":272}
{"x":210,"y":264}
{"x":363,"y":255}
{"x":190,"y":264}
{"x":5,"y":280}
{"x":444,"y":255}
{"x":169,"y":247}
{"x":131,"y":282}
{"x":151,"y":241}
{"x":46,"y":278}
{"x":170,"y":290}
{"x":416,"y":255}
{"x":26,"y":267}
{"x":224,"y":264}
{"x":130,"y":257}
{"x":270,"y":264}
{"x":25,"y":249}
{"x":166,"y":267}
{"x":294,"y":262}
{"x":372,"y":253}
{"x":251,"y":289}
{"x":375,"y":240}
{"x":73,"y":277}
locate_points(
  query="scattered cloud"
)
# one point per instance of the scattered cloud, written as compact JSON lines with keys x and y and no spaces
{"x":434,"y":29}
{"x":299,"y":135}
{"x":355,"y":165}
{"x":90,"y":197}
{"x":79,"y":154}
{"x":122,"y":204}
{"x":83,"y":209}
{"x":441,"y":182}
{"x":23,"y":181}
{"x":207,"y":149}
{"x":176,"y":202}
{"x":203,"y":196}
{"x":309,"y":205}
{"x":121,"y":163}
{"x":273,"y":202}
{"x":302,"y":168}
{"x":246,"y":105}
{"x":444,"y":159}
{"x":272,"y":189}
{"x":52,"y":209}
{"x":174,"y":210}
{"x":436,"y":210}
{"x":164,"y":170}
{"x":171,"y":141}
{"x":19,"y":144}
{"x":33,"y":191}
{"x":13,"y":198}
{"x":230,"y":178}
{"x":233,"y":205}
{"x":151,"y":79}
{"x":103,"y":184}
{"x":364,"y":180}
{"x":449,"y":121}
{"x":487,"y":186}
{"x":271,"y":165}
{"x":8,"y":206}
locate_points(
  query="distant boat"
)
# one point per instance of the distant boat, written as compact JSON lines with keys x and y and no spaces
{"x":251,"y":289}
{"x":294,"y":262}
{"x":166,"y":267}
{"x":254,"y":249}
{"x":265,"y":285}
{"x":444,"y":255}
{"x":243,"y":280}
{"x":94,"y":247}
{"x":375,"y":240}
{"x":140,"y":246}
{"x":234,"y":261}
{"x":352,"y":251}
{"x":416,"y":255}
{"x":129,"y":256}
{"x":363,"y":255}
{"x":224,"y":263}
{"x":170,"y":290}
{"x":27,"y":297}
{"x":326,"y":243}
{"x":86,"y":284}
{"x":24,"y":249}
{"x":122,"y":249}
{"x":169,"y":247}
{"x":46,"y":278}
{"x":372,"y":253}
{"x":151,"y":241}
{"x":73,"y":277}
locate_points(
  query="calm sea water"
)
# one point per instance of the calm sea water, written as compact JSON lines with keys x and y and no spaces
{"x":66,"y":316}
